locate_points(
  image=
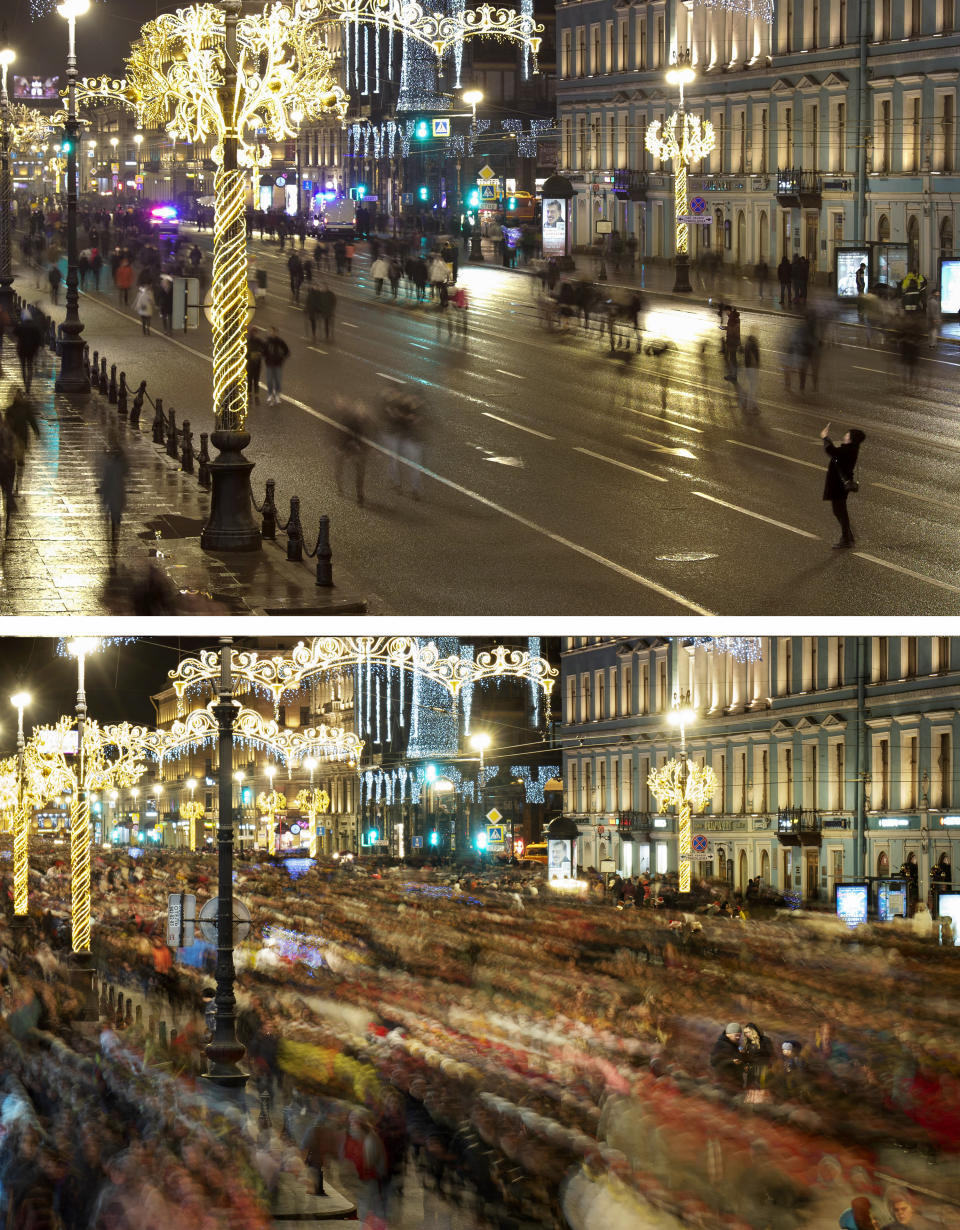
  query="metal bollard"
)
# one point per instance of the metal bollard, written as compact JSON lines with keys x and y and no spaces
{"x":122,"y":396}
{"x":112,"y":389}
{"x":86,"y":354}
{"x":203,"y":471}
{"x":138,"y":1014}
{"x":128,"y":1019}
{"x":172,"y":450}
{"x":294,"y":532}
{"x":186,"y":448}
{"x":324,"y":554}
{"x":268,"y":514}
{"x":111,"y":998}
{"x":138,"y":404}
{"x":159,"y":425}
{"x":173,"y":1036}
{"x":152,"y":1025}
{"x":103,"y":383}
{"x":94,"y":372}
{"x":162,"y":1033}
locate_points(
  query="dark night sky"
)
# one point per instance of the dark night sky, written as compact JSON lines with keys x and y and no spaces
{"x":119,"y":680}
{"x":104,"y":34}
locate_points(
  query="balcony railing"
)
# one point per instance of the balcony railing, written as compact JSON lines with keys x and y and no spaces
{"x":798,"y":187}
{"x":798,"y":822}
{"x":633,"y":820}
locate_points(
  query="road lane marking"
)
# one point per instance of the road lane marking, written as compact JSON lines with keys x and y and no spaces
{"x":658,"y":418}
{"x":813,"y":465}
{"x":513,"y":374}
{"x":758,"y":516}
{"x":663,"y":448}
{"x":913,"y":495}
{"x":393,"y":378}
{"x":317,"y":350}
{"x":627,"y":573}
{"x":420,"y":345}
{"x":907,"y":572}
{"x":348,"y":325}
{"x":880,"y":371}
{"x":622,"y":464}
{"x":519,"y":426}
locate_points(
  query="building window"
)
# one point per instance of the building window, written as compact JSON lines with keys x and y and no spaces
{"x":282,"y":715}
{"x":842,"y":23}
{"x":566,"y":54}
{"x":912,"y":773}
{"x":610,"y":64}
{"x":571,"y":699}
{"x":837,"y":792}
{"x":947,"y":16}
{"x":581,"y":51}
{"x":742,"y":783}
{"x":595,"y":61}
{"x":602,"y":792}
{"x":944,"y":771}
{"x":662,"y":688}
{"x":661,"y":52}
{"x":788,"y":31}
{"x":814,"y":24}
{"x":574,"y":793}
{"x":642,"y":43}
{"x":624,"y":45}
{"x":585,"y":699}
{"x":304,"y":715}
{"x":601,"y":698}
{"x":941,"y":647}
{"x":911,"y":663}
{"x":948,"y":137}
{"x":883,"y":772}
{"x":741,"y":142}
{"x":645,"y":688}
{"x":587,"y":797}
{"x":764,"y":139}
{"x":885,"y":136}
{"x":612,"y":141}
{"x":914,"y":16}
{"x":883,"y":229}
{"x":883,"y":659}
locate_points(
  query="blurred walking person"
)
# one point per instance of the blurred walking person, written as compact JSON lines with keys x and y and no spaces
{"x":731,"y":344}
{"x":54,"y":277}
{"x":112,"y":490}
{"x":841,"y":480}
{"x":751,"y":366}
{"x":8,"y":473}
{"x":254,"y":362}
{"x":123,"y":279}
{"x":29,"y":340}
{"x":275,"y":353}
{"x":784,"y":272}
{"x":143,"y":306}
{"x":21,"y":420}
{"x":379,"y":270}
{"x":404,"y":427}
{"x":352,"y":444}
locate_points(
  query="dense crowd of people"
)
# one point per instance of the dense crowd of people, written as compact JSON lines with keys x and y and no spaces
{"x":541,"y":1060}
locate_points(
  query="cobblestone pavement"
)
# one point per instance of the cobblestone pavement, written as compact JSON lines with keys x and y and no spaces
{"x":55,"y":554}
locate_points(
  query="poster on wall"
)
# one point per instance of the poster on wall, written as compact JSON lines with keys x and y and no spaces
{"x":949,"y":907}
{"x":559,"y":864}
{"x":950,"y":287}
{"x":554,"y":227}
{"x":848,"y":262}
{"x":852,"y":903}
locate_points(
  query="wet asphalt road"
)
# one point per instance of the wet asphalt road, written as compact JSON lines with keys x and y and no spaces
{"x":552,"y":480}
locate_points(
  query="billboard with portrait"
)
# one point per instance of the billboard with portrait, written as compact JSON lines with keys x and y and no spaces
{"x":554,"y":226}
{"x":848,"y":262}
{"x":36,"y":87}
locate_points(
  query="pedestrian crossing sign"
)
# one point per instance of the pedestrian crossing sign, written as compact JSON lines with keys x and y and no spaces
{"x":496,"y":834}
{"x":441,"y":128}
{"x":488,"y":192}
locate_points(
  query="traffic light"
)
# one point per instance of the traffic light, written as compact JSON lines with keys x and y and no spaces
{"x":423,"y":192}
{"x":431,"y":772}
{"x":511,"y":203}
{"x":66,"y":145}
{"x":358,"y":193}
{"x":473,"y":200}
{"x":434,"y":838}
{"x":421,"y":130}
{"x":373,"y":836}
{"x":481,"y":841}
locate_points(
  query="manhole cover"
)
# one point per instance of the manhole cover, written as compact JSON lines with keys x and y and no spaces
{"x":687,"y":557}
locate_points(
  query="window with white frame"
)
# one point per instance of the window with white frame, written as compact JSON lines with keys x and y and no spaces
{"x":941,"y":768}
{"x":909,"y":769}
{"x":835,"y":774}
{"x":601,"y":710}
{"x":566,"y":54}
{"x":624,"y":42}
{"x":571,"y":715}
{"x":626,"y":689}
{"x":573,"y":796}
{"x":784,"y":775}
{"x":610,"y":63}
{"x":585,"y":714}
{"x":595,"y":66}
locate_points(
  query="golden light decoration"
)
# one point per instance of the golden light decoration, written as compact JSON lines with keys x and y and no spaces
{"x":10,"y":802}
{"x":438,"y":30}
{"x":683,"y":784}
{"x":286,"y":673}
{"x":27,"y":126}
{"x":314,"y":802}
{"x":9,"y":795}
{"x":270,"y":803}
{"x":685,"y":138}
{"x":175,"y":81}
{"x":106,"y":762}
{"x":193,"y":812}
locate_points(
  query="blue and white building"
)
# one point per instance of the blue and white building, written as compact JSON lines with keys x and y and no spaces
{"x":835,"y":757}
{"x":836,"y":124}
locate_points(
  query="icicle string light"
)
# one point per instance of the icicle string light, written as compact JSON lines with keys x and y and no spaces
{"x":742,"y":648}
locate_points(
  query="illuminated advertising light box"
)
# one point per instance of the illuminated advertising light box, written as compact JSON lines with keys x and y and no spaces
{"x":559,"y":860}
{"x":849,"y":261}
{"x":891,"y":901}
{"x":554,"y":227}
{"x":852,"y":903}
{"x":950,"y":287}
{"x":949,"y":907}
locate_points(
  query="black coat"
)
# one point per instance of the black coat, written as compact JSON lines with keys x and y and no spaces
{"x":726,"y":1059}
{"x":843,"y":460}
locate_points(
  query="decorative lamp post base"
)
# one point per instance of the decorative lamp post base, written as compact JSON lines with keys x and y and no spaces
{"x":6,"y":296}
{"x":682,"y":274}
{"x":222,"y":1060}
{"x":83,"y":980}
{"x":74,"y":379}
{"x":476,"y":251}
{"x":231,"y":526}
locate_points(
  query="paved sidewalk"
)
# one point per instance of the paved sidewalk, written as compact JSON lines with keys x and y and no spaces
{"x":55,"y":557}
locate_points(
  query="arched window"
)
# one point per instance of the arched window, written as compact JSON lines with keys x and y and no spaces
{"x":718,"y":227}
{"x":762,"y":236}
{"x":883,"y":863}
{"x":765,"y":868}
{"x":742,"y":872}
{"x":741,"y":237}
{"x":883,"y":229}
{"x":913,"y":243}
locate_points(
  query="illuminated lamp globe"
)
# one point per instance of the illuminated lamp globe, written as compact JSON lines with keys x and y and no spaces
{"x":73,"y":8}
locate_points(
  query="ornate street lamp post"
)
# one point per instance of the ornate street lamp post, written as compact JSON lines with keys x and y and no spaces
{"x":685,"y":138}
{"x":471,"y":98}
{"x":685,"y":785}
{"x":7,"y":56}
{"x":73,"y":378}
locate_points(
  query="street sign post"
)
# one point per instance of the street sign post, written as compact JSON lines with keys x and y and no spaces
{"x":496,"y":834}
{"x":208,"y":921}
{"x":181,"y":916}
{"x":494,"y":816}
{"x":696,"y":219}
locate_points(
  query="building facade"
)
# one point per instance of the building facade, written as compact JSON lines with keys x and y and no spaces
{"x":835,"y":125}
{"x":835,"y":757}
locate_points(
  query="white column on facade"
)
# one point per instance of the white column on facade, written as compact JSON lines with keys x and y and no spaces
{"x":738,"y":690}
{"x":700,"y":697}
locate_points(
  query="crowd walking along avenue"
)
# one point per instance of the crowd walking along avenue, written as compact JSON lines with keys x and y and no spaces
{"x":551,"y":933}
{"x":546,"y":468}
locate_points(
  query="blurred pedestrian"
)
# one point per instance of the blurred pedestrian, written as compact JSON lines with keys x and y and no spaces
{"x":254,"y":361}
{"x":352,"y":444}
{"x":762,"y":273}
{"x":112,"y":490}
{"x":295,"y":270}
{"x":29,"y":340}
{"x":403,"y":428}
{"x":731,"y":344}
{"x":21,"y":420}
{"x":8,"y":473}
{"x":54,"y":277}
{"x":783,"y":277}
{"x":751,"y":368}
{"x":327,"y":307}
{"x":275,"y":353}
{"x":379,"y":270}
{"x":143,"y":306}
{"x":123,"y":279}
{"x":841,"y":480}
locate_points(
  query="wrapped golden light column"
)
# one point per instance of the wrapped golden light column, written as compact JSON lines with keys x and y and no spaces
{"x":314,"y":802}
{"x":229,"y":296}
{"x":193,"y":812}
{"x":80,"y":874}
{"x":271,"y":803}
{"x":687,"y":786}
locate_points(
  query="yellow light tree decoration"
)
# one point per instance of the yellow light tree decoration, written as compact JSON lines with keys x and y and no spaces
{"x":103,"y":763}
{"x":685,"y":138}
{"x":8,"y":792}
{"x":271,"y":802}
{"x":193,"y":812}
{"x":314,"y":802}
{"x":689,"y":787}
{"x":183,"y":75}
